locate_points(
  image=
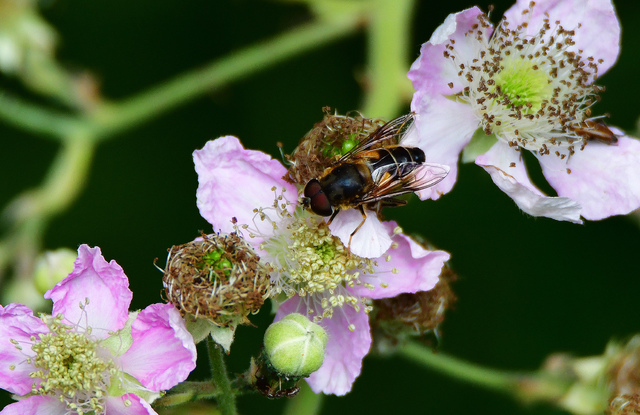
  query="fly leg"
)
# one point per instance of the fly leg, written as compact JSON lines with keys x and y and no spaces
{"x":364,"y":218}
{"x":333,"y":215}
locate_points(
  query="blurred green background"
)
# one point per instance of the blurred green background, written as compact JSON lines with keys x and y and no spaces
{"x":527,"y":287}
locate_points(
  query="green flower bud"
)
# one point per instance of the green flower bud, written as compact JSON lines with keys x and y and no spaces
{"x":295,"y":346}
{"x":52,"y":267}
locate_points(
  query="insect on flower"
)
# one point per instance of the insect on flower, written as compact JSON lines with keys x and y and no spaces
{"x":599,"y":131}
{"x":373,"y":174}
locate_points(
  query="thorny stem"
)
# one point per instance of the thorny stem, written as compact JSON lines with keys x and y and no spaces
{"x":219,"y":377}
{"x":305,"y":402}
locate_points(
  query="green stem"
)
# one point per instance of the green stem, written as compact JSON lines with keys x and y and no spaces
{"x":236,"y":66}
{"x":305,"y":402}
{"x":108,"y":119}
{"x":65,"y":179}
{"x":487,"y":378}
{"x":219,"y":377}
{"x":388,"y":62}
{"x":39,"y":120}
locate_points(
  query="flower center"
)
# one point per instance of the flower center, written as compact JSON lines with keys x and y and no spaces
{"x":312,"y":263}
{"x":70,"y":368}
{"x":531,"y":91}
{"x":523,"y":84}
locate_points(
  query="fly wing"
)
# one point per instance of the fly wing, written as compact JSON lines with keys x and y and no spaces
{"x":404,"y":178}
{"x":395,"y":128}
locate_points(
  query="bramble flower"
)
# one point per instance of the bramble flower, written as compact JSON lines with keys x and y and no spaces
{"x":313,"y":272}
{"x":528,"y":85}
{"x":91,"y":355}
{"x":242,"y":181}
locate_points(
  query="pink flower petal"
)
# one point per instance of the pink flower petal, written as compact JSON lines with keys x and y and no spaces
{"x":604,"y":179}
{"x":417,"y":268}
{"x":104,"y":284}
{"x":598,"y":35}
{"x":163,"y":353}
{"x":18,"y":323}
{"x":432,"y":72}
{"x":371,"y":240}
{"x":345,"y":349}
{"x":443,"y":129}
{"x":233,"y":181}
{"x":129,"y":404}
{"x":36,"y":405}
{"x":514,"y":181}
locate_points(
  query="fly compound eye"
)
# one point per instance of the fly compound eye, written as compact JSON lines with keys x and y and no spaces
{"x":316,"y":200}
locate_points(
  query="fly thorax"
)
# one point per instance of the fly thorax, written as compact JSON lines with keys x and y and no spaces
{"x":530,"y":91}
{"x":345,"y":182}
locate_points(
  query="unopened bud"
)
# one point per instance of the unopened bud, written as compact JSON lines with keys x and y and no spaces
{"x":52,"y":267}
{"x":294,"y":346}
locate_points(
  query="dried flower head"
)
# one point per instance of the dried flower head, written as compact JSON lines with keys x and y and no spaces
{"x":330,"y":138}
{"x":217,"y":277}
{"x":416,"y":313}
{"x":623,"y":372}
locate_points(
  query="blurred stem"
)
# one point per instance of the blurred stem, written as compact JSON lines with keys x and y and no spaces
{"x":63,"y":182}
{"x":388,"y":62}
{"x":459,"y":369}
{"x":219,"y":377}
{"x":79,"y":133}
{"x":528,"y":387}
{"x":305,"y":402}
{"x":39,"y":120}
{"x":31,"y":211}
{"x":236,"y":66}
{"x":108,"y":119}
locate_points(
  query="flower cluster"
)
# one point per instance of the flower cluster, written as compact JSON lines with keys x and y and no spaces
{"x":91,"y":355}
{"x":314,"y":273}
{"x":528,"y":85}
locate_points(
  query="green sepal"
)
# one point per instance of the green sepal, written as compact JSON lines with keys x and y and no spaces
{"x":480,"y":143}
{"x":119,"y":342}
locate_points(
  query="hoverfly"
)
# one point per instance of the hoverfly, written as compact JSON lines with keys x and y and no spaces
{"x":373,"y":174}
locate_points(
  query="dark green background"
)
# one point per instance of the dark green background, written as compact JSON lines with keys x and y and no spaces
{"x":527,"y":286}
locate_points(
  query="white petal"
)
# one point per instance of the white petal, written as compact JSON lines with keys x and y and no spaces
{"x":604,"y":179}
{"x":443,"y":129}
{"x":372,"y":239}
{"x":510,"y":175}
{"x":598,"y":35}
{"x":233,"y":181}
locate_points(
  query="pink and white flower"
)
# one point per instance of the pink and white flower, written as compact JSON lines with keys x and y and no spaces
{"x":527,"y":84}
{"x":314,"y":274}
{"x":92,"y":355}
{"x":239,"y":181}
